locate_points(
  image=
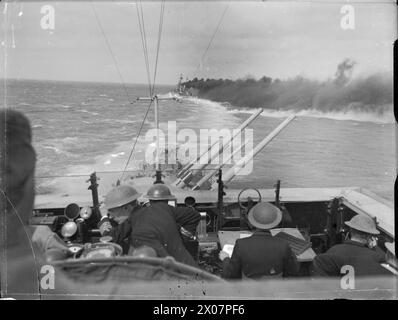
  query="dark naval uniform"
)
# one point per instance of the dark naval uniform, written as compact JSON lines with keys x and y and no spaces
{"x":120,"y":232}
{"x":260,"y":256}
{"x":365,"y":261}
{"x":158,"y":226}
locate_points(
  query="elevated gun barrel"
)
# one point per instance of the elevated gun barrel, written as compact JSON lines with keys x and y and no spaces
{"x":231,"y":173}
{"x":184,"y":174}
{"x":212,"y":173}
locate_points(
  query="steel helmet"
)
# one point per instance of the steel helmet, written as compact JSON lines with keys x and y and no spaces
{"x":144,"y":252}
{"x":120,"y":196}
{"x":363,"y":223}
{"x":264,"y":216}
{"x":159,"y":192}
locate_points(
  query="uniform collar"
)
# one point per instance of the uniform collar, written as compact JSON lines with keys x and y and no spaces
{"x":164,"y":204}
{"x":262,"y":232}
{"x":355,"y":243}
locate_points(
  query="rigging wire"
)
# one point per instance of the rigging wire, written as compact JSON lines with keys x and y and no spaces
{"x":141,"y":23}
{"x":140,"y":14}
{"x":135,"y":142}
{"x":151,"y":86}
{"x":212,"y":38}
{"x":111,"y":53}
{"x":143,"y":38}
{"x":158,"y":45}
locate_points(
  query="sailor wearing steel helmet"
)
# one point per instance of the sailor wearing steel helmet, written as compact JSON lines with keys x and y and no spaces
{"x":160,"y":226}
{"x":360,"y":252}
{"x":121,"y":202}
{"x":261,"y":256}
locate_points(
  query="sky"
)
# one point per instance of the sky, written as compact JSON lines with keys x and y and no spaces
{"x":277,"y":39}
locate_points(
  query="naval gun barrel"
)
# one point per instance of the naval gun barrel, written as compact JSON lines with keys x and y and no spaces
{"x":184,"y":173}
{"x":216,"y":169}
{"x":231,"y":173}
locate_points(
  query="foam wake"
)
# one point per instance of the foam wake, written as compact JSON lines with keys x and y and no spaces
{"x":383,"y":115}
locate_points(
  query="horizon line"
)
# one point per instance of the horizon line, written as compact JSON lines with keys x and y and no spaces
{"x":82,"y":81}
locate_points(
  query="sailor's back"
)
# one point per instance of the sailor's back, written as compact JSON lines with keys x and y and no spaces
{"x":156,"y":227}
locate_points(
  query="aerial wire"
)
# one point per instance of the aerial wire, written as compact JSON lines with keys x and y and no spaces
{"x":151,"y":89}
{"x":212,"y":38}
{"x":135,"y":142}
{"x":141,"y":23}
{"x":111,"y":53}
{"x":158,"y":45}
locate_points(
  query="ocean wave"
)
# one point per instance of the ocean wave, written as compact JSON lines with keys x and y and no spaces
{"x":69,"y":140}
{"x":63,"y":145}
{"x":44,"y":187}
{"x":124,"y":121}
{"x":205,"y":102}
{"x":115,"y":155}
{"x":209,"y":108}
{"x":89,"y":112}
{"x":55,"y":149}
{"x":59,"y":105}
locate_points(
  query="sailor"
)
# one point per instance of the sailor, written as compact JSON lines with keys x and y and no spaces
{"x":161,"y":226}
{"x":360,"y":252}
{"x":121,"y":202}
{"x":260,"y":256}
{"x":17,"y":171}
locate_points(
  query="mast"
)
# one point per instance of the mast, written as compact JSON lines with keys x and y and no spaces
{"x":157,"y":133}
{"x":180,"y":84}
{"x":155,"y":99}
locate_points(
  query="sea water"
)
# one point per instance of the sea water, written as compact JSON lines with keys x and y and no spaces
{"x":79,"y":128}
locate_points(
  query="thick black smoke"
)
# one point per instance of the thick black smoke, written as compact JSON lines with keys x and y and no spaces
{"x":341,"y":93}
{"x":344,"y":72}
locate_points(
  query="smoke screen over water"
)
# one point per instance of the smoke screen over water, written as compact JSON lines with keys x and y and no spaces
{"x":342,"y":93}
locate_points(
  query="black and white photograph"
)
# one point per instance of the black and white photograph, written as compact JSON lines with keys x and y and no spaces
{"x":197,"y":150}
